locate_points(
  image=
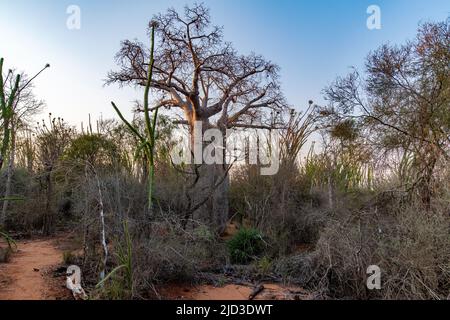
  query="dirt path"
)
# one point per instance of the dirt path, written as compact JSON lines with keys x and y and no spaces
{"x":27,"y":275}
{"x":234,"y":292}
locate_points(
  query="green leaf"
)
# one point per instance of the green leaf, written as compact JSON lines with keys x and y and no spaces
{"x":112,"y":273}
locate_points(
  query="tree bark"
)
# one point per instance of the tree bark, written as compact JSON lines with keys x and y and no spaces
{"x":211,"y":187}
{"x":212,"y":178}
{"x":48,"y":215}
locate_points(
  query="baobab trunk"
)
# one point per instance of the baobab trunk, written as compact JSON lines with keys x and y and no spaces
{"x":211,"y":183}
{"x":212,"y":188}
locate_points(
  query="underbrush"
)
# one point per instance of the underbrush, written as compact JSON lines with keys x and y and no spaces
{"x":166,"y":253}
{"x":347,"y":234}
{"x":409,"y":245}
{"x":289,"y":230}
{"x":280,"y":207}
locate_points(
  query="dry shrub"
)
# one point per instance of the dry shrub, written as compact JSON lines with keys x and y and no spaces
{"x":417,"y":256}
{"x":410,"y":245}
{"x":170,"y":254}
{"x":25,"y":214}
{"x":298,"y":269}
{"x":163,"y":250}
{"x":278,"y":206}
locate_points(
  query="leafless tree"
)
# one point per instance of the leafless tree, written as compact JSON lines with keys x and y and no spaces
{"x":51,"y":141}
{"x":203,"y":76}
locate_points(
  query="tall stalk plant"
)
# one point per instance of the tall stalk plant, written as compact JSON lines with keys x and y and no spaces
{"x":6,"y":107}
{"x":148,"y":139}
{"x":125,"y":258}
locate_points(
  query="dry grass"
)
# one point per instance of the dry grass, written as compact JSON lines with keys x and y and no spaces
{"x":412,"y":248}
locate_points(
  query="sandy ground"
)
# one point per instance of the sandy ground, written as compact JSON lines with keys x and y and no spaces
{"x":234,"y":292}
{"x":28,"y":276}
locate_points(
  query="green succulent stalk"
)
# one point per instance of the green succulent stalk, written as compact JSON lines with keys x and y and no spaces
{"x":147,"y":141}
{"x":7,"y":108}
{"x":7,"y":111}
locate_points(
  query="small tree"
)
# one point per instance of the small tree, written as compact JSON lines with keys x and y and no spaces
{"x":402,"y":103}
{"x":52,"y":139}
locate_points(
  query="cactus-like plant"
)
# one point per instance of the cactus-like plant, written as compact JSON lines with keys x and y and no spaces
{"x":148,"y":140}
{"x":6,"y":108}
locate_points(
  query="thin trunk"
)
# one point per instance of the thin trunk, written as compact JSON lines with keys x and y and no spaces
{"x":85,"y":220}
{"x":426,"y":185}
{"x":29,"y":153}
{"x":330,"y":193}
{"x":5,"y":143}
{"x":9,"y":173}
{"x":103,"y":232}
{"x":48,"y":215}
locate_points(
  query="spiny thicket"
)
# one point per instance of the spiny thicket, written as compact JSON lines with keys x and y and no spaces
{"x":375,"y":192}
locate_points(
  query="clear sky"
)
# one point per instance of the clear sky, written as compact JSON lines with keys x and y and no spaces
{"x":312,"y":41}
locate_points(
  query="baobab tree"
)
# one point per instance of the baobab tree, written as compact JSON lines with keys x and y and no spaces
{"x":200,"y":74}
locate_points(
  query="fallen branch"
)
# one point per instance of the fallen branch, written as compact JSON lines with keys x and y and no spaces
{"x":257,"y":290}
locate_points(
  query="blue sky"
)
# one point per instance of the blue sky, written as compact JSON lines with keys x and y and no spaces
{"x":312,"y":41}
